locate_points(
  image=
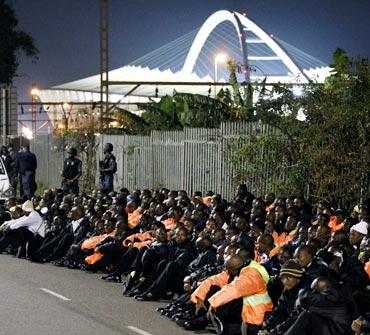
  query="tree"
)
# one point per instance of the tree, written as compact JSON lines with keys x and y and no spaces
{"x":325,"y":155}
{"x":14,"y":43}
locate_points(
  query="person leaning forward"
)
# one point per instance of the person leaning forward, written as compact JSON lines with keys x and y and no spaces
{"x":247,"y":293}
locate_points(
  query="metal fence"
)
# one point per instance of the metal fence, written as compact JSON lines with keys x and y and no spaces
{"x":195,"y":159}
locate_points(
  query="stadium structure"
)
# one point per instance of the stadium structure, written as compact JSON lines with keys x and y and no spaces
{"x":195,"y":58}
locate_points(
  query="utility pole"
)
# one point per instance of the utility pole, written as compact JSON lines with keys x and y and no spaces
{"x":104,"y":64}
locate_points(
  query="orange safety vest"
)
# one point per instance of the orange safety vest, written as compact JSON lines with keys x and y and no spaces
{"x":134,"y":218}
{"x":334,"y":226}
{"x":92,"y":242}
{"x":169,"y":223}
{"x":139,"y":236}
{"x":251,"y":286}
{"x":273,"y":252}
{"x":220,"y":280}
{"x":96,"y":256}
{"x":367,"y":268}
{"x":285,"y":238}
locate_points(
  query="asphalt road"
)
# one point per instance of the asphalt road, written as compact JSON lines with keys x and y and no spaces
{"x":33,"y":302}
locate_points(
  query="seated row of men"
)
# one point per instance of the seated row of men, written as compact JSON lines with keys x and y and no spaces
{"x":251,"y":266}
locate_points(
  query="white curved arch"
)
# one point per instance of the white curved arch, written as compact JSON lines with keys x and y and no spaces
{"x":223,"y":15}
{"x":208,"y":26}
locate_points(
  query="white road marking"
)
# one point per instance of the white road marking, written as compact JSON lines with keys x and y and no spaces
{"x":138,"y":330}
{"x":55,"y":294}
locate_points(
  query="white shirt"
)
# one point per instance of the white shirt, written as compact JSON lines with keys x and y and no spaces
{"x":33,"y":222}
{"x":75,"y":224}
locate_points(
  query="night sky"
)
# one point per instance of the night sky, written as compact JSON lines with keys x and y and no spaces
{"x":67,"y":31}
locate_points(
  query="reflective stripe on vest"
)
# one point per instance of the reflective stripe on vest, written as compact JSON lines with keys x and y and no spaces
{"x":257,"y":299}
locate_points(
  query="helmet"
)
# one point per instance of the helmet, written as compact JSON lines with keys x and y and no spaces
{"x":72,"y":152}
{"x":108,"y":147}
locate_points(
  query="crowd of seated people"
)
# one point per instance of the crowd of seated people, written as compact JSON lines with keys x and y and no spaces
{"x":268,"y":265}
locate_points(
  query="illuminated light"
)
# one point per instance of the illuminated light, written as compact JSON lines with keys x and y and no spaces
{"x":114,"y":124}
{"x":61,"y":126}
{"x":244,"y":14}
{"x":96,"y":134}
{"x":27,"y":132}
{"x":66,"y":105}
{"x":272,"y":35}
{"x":221,"y":57}
{"x":35,"y":91}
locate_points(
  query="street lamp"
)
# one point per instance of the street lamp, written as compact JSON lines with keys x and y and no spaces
{"x":34,"y":96}
{"x":27,"y":132}
{"x":222,"y":59}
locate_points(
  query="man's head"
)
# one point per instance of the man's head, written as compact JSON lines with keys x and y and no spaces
{"x":181,"y":235}
{"x":121,"y":226}
{"x":108,"y":147}
{"x":265,"y":243}
{"x":161,"y":234}
{"x":25,"y":148}
{"x":203,"y":244}
{"x":72,"y":152}
{"x":77,"y":213}
{"x":323,"y":234}
{"x":358,"y":232}
{"x":291,"y":273}
{"x":234,"y":264}
{"x":321,"y":284}
{"x":304,"y":255}
{"x":217,"y":235}
{"x":27,"y":207}
{"x":284,"y":255}
{"x":109,"y":225}
{"x":242,"y":223}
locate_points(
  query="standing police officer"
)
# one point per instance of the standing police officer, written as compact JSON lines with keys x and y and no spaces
{"x":72,"y":171}
{"x":27,"y":165}
{"x":108,"y":166}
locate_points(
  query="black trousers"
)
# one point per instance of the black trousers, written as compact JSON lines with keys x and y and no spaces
{"x":230,"y":315}
{"x":171,"y":279}
{"x":21,"y":237}
{"x":62,"y":247}
{"x":309,"y":324}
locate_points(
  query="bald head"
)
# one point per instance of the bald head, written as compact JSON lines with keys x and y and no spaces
{"x":233,"y":264}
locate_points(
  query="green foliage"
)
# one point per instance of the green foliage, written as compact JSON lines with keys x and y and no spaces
{"x":161,"y":115}
{"x":129,"y":123}
{"x":327,"y":155}
{"x":188,"y":110}
{"x":14,"y":43}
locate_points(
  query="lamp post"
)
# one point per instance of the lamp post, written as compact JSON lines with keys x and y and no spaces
{"x":222,"y":59}
{"x":34,"y":96}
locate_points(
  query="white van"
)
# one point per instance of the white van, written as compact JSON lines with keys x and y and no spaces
{"x":4,"y":182}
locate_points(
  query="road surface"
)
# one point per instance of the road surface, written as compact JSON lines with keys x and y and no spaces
{"x":42,"y":299}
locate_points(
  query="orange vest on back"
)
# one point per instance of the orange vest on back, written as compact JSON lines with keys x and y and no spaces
{"x":367,"y":268}
{"x":251,"y":286}
{"x":96,"y":256}
{"x":134,"y":218}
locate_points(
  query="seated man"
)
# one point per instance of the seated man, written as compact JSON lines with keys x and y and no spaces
{"x":27,"y":231}
{"x":180,"y":252}
{"x":283,"y":316}
{"x":242,"y":301}
{"x":327,"y":309}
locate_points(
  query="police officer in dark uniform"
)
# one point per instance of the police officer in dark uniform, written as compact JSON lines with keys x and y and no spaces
{"x":72,"y":171}
{"x":27,"y":165}
{"x":13,"y":173}
{"x":108,"y":166}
